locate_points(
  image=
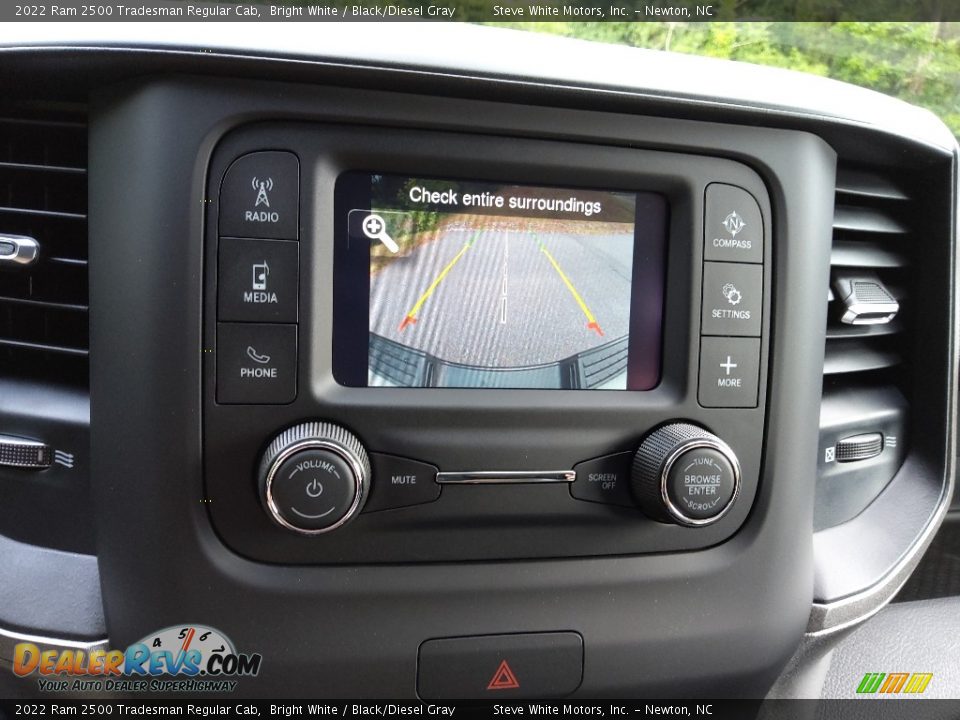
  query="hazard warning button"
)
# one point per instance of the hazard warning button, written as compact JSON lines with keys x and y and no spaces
{"x":525,"y":665}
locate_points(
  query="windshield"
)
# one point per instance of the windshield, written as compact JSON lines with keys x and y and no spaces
{"x":918,"y":62}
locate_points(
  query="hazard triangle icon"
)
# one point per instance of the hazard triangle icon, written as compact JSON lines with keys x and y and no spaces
{"x":503,"y":678}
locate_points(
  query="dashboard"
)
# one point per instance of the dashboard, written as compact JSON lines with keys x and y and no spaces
{"x":398,"y":365}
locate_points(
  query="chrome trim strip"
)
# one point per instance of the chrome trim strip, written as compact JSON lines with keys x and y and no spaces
{"x":10,"y":638}
{"x":25,"y":251}
{"x":506,"y":477}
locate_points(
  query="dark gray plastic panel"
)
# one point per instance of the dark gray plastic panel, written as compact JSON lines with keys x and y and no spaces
{"x":49,"y":593}
{"x":466,"y":430}
{"x":51,"y":507}
{"x":677,"y":623}
{"x":844,"y":489}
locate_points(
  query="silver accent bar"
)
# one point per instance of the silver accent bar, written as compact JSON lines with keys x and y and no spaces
{"x":18,"y":250}
{"x":25,"y":454}
{"x":10,"y":638}
{"x":506,"y":477}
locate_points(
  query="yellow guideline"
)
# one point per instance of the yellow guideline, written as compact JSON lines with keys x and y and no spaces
{"x":591,"y":320}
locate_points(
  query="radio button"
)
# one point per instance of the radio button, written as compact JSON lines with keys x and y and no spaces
{"x":399,"y":482}
{"x":732,"y":226}
{"x":260,"y":197}
{"x":604,"y":480}
{"x":257,"y":280}
{"x":256,"y":364}
{"x":732,"y":299}
{"x":729,"y":372}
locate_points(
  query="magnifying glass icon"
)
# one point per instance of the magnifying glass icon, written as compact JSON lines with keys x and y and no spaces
{"x":375,"y":228}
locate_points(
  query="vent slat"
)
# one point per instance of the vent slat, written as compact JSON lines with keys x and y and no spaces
{"x":44,"y":324}
{"x":71,"y":307}
{"x":44,"y":347}
{"x":866,"y":220}
{"x":838,"y":330}
{"x":856,"y":355}
{"x":43,"y":213}
{"x":864,"y":254}
{"x":35,"y":167}
{"x":866,"y":185}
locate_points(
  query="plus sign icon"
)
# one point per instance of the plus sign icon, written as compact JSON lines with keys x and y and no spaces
{"x":375,"y":228}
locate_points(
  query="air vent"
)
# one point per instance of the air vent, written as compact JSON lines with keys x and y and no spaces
{"x":871,"y":239}
{"x":43,"y":196}
{"x":864,"y":366}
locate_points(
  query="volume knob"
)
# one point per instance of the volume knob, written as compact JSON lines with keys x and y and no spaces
{"x":685,"y":475}
{"x":314,"y":478}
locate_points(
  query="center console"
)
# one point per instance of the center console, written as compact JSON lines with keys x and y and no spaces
{"x":392,"y":382}
{"x":436,"y":346}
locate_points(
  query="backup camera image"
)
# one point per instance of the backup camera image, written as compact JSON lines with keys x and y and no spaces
{"x":496,"y":286}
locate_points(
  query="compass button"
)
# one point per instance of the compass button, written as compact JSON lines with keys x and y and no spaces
{"x":732,"y":225}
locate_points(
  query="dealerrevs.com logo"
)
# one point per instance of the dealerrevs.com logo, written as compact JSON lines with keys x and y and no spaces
{"x":182,"y":658}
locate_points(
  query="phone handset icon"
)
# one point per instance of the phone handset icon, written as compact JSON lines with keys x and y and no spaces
{"x":256,"y":357}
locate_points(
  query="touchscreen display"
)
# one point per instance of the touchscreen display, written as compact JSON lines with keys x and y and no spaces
{"x":464,"y":284}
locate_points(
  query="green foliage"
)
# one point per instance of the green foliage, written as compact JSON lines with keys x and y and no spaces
{"x":917,"y":62}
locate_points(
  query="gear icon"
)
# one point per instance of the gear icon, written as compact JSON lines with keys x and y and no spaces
{"x":731,"y":293}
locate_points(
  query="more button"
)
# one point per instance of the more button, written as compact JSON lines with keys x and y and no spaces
{"x":729,"y":372}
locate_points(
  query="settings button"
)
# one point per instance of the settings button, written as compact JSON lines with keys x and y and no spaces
{"x":732,"y":299}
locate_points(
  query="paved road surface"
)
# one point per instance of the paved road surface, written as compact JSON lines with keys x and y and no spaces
{"x":502,"y":303}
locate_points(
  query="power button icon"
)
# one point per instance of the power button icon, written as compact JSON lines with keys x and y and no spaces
{"x":314,"y":477}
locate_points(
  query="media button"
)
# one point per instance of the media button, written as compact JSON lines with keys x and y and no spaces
{"x":257,"y":280}
{"x":729,"y":372}
{"x":260,"y":197}
{"x":399,"y":482}
{"x":256,"y":364}
{"x":732,"y":299}
{"x":732,"y":226}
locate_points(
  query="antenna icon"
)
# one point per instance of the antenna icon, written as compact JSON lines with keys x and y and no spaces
{"x":262,"y":187}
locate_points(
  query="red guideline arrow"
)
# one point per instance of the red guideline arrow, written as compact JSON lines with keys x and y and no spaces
{"x":503,"y":678}
{"x":408,"y":320}
{"x":595,"y":326}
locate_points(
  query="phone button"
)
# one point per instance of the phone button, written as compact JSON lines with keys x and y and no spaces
{"x":256,"y":363}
